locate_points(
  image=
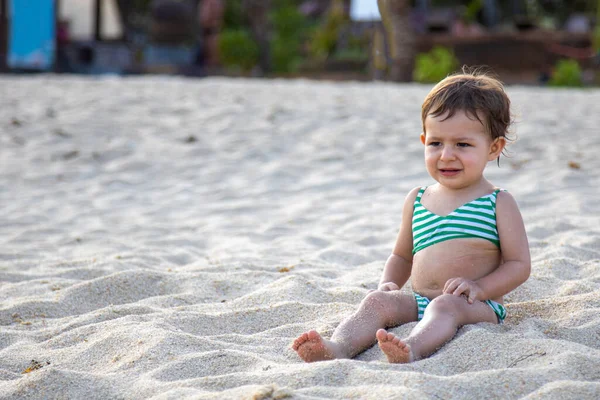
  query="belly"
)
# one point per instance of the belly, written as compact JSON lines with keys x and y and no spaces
{"x":467,"y":258}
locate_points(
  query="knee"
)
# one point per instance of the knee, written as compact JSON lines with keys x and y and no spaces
{"x":447,"y":304}
{"x":376,"y":301}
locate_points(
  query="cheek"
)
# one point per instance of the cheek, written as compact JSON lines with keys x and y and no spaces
{"x":430,"y":159}
{"x":473,"y":159}
{"x":429,"y":151}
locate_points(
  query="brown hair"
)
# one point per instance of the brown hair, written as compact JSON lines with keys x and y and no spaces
{"x":479,"y":95}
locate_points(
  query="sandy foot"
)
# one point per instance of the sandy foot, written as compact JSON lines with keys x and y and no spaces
{"x":396,"y":350}
{"x":310,"y":346}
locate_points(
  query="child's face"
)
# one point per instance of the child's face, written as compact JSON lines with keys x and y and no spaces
{"x":457,"y":149}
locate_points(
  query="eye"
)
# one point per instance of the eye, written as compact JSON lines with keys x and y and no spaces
{"x":463,"y":144}
{"x":434,"y":144}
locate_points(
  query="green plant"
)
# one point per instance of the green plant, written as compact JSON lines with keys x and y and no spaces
{"x":238,"y":50}
{"x":472,"y":9}
{"x":352,"y":55}
{"x":566,"y":73}
{"x":233,"y":17}
{"x":324,"y":38}
{"x":289,"y":27}
{"x":435,"y":65}
{"x":288,"y":21}
{"x":285,"y":54}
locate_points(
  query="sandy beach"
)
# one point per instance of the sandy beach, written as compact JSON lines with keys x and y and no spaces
{"x":168,"y":238}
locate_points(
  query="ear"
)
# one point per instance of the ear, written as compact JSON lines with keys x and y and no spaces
{"x":423,"y":137}
{"x":496,"y":148}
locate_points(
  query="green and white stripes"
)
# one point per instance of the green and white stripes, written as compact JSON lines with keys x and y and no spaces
{"x":422,"y":303}
{"x":498,"y":308}
{"x":476,"y":219}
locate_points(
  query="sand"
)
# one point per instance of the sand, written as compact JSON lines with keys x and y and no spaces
{"x":168,"y":238}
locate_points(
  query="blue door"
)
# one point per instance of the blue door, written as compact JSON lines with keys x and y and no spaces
{"x":31,"y":40}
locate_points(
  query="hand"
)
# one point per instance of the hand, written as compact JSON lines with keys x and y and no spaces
{"x":388,"y":287}
{"x":464,"y":287}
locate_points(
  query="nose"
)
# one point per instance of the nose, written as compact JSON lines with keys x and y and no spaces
{"x":447,"y":153}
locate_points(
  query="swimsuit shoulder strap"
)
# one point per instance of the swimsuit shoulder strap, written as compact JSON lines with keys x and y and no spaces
{"x":420,"y":194}
{"x":495,"y":195}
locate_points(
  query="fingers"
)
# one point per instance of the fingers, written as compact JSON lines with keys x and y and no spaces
{"x":388,"y":287}
{"x":451,"y":285}
{"x":460,"y":287}
{"x":463,"y":288}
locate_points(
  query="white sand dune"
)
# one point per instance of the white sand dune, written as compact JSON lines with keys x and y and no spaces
{"x":168,"y":238}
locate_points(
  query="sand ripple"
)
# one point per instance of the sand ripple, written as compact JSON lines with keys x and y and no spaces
{"x":168,"y":238}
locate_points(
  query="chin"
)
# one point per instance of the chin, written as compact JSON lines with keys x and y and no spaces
{"x":453,"y":184}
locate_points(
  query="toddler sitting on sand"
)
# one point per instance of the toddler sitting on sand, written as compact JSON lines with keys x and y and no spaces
{"x":461,"y":241}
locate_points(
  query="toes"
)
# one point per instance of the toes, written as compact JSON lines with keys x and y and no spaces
{"x":382,"y":335}
{"x":310,"y":336}
{"x":313,"y":336}
{"x":300,"y":341}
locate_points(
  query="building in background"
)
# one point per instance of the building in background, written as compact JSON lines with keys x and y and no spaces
{"x":91,"y":19}
{"x":62,"y":35}
{"x":29,"y":34}
{"x":92,"y":37}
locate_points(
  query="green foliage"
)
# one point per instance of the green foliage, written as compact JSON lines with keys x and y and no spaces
{"x":285,"y":54}
{"x":435,"y":65}
{"x":324,"y":38}
{"x":352,"y":55}
{"x":233,"y":17}
{"x":288,"y":21}
{"x":472,"y":9}
{"x":238,"y":50}
{"x":596,"y":39}
{"x":289,"y":30}
{"x":566,"y":73}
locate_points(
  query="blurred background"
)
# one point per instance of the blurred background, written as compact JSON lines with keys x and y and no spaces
{"x":542,"y":42}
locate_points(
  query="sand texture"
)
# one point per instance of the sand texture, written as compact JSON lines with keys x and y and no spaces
{"x":168,"y":238}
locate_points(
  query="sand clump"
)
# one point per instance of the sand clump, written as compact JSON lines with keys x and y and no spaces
{"x":169,"y":238}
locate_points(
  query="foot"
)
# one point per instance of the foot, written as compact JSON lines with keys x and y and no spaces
{"x":310,"y":346}
{"x":395,"y":349}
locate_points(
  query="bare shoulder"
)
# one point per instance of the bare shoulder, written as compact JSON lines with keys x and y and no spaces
{"x":511,"y":230}
{"x":412,"y":195}
{"x":509,"y":220}
{"x":404,"y":241}
{"x":505,"y":202}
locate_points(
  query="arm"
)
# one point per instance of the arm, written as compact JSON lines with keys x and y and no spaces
{"x":516,"y":265}
{"x":399,"y":264}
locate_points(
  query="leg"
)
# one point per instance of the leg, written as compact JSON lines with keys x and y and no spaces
{"x":444,"y":315}
{"x":357,"y":332}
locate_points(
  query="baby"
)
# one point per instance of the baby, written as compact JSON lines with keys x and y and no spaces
{"x":461,"y":241}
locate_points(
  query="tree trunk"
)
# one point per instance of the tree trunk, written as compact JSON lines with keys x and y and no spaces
{"x":257,"y":12}
{"x":401,"y":39}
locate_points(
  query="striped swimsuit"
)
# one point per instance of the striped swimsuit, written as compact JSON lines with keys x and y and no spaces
{"x":475,"y":219}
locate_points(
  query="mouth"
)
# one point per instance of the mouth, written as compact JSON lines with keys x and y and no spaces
{"x":449,"y":171}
